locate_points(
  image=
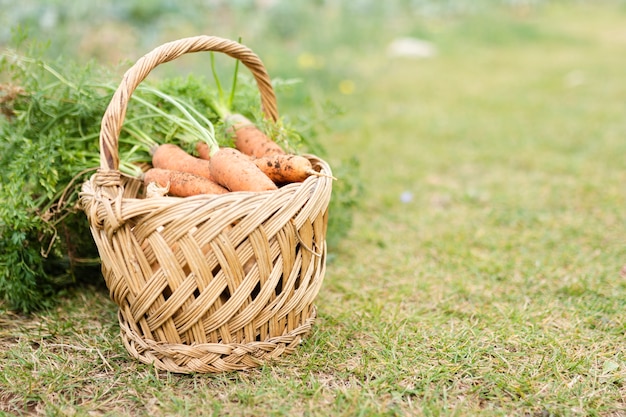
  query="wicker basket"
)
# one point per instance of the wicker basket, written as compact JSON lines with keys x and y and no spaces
{"x":206,"y":283}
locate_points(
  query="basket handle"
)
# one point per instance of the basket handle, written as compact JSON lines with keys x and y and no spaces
{"x":116,"y":111}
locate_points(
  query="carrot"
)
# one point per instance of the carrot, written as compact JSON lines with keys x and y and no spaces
{"x":249,"y":139}
{"x":280,"y":168}
{"x":182,"y":184}
{"x":236,"y":172}
{"x":203,"y":150}
{"x":285,"y":168}
{"x":169,"y":156}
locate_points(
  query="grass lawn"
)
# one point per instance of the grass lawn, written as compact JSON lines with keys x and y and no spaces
{"x":486,"y":269}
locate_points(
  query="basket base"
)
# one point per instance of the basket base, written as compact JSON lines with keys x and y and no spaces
{"x":212,"y":357}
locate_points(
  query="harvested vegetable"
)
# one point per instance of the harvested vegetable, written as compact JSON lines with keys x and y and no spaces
{"x":280,"y":168}
{"x":203,"y":151}
{"x":182,"y":184}
{"x":237,"y":172}
{"x":173,"y":157}
{"x":284,"y":169}
{"x":249,"y":139}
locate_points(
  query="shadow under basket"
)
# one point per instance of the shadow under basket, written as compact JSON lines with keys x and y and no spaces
{"x":208,"y":283}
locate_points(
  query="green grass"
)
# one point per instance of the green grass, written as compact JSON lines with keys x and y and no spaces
{"x":496,"y":290}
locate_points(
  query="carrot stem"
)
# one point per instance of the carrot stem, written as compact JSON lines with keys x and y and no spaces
{"x":188,"y":124}
{"x":233,"y":87}
{"x":140,"y":136}
{"x":208,"y":133}
{"x":218,"y":84}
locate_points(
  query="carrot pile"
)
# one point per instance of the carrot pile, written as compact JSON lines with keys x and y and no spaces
{"x":256,"y":163}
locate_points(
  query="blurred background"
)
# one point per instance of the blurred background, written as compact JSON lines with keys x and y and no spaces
{"x":327,"y":43}
{"x":333,"y":46}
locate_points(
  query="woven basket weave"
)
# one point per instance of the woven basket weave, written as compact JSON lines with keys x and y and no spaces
{"x":206,"y":283}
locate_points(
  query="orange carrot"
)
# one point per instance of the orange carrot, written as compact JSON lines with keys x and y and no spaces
{"x":203,"y":150}
{"x":285,"y":168}
{"x":182,"y":184}
{"x":280,"y":168}
{"x":249,"y":139}
{"x":237,"y":172}
{"x":169,"y":156}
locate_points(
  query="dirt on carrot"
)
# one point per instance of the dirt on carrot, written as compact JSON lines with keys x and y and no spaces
{"x":182,"y":184}
{"x":286,"y":168}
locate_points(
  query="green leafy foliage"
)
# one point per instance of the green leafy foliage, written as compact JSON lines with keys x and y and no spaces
{"x":47,"y":139}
